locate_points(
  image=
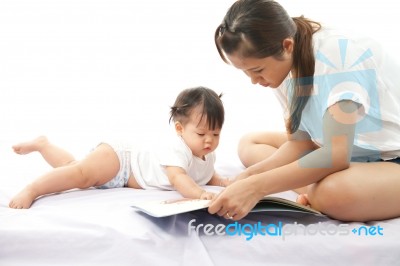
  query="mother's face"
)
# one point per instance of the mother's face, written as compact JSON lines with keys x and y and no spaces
{"x":268,"y":71}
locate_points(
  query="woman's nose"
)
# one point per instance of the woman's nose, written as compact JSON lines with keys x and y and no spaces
{"x":253,"y":77}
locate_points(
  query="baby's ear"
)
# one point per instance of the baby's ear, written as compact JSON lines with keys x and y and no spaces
{"x":178,"y":128}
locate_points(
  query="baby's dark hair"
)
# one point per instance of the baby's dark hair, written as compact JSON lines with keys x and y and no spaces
{"x":209,"y":102}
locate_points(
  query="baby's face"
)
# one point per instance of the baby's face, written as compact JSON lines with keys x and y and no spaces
{"x":199,"y":138}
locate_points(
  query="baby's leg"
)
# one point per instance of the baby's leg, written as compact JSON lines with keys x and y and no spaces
{"x":55,"y":156}
{"x":99,"y":167}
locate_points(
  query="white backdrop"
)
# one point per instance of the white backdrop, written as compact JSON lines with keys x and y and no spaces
{"x":81,"y":70}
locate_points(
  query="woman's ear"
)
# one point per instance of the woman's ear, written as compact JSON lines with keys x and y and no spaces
{"x":288,"y":45}
{"x":178,"y":128}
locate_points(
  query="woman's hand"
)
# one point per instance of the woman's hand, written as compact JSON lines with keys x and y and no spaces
{"x":237,"y":200}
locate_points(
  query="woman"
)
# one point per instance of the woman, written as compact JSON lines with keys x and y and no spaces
{"x":340,"y":97}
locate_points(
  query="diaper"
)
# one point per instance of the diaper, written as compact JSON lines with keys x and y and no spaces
{"x":123,"y":152}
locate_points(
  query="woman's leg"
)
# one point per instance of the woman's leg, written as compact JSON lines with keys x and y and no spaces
{"x":99,"y":167}
{"x":54,"y":155}
{"x":363,"y":192}
{"x":255,"y":147}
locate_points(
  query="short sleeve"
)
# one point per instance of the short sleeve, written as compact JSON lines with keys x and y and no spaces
{"x":351,"y":91}
{"x":175,"y":154}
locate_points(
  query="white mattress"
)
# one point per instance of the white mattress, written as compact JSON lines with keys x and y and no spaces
{"x":98,"y":227}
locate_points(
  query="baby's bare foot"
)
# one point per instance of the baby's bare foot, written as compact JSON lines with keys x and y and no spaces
{"x":22,"y":200}
{"x":30,"y":146}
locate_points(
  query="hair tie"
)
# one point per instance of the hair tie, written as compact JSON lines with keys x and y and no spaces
{"x":222,"y":30}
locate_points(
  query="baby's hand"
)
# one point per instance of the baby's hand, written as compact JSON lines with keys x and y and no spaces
{"x":226,"y":182}
{"x":207,"y":195}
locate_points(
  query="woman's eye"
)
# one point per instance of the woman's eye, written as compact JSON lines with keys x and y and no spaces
{"x":258,"y":71}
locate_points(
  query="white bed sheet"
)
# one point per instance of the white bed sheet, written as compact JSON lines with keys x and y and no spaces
{"x":98,"y":227}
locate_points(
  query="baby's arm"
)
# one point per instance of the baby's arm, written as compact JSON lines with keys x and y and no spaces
{"x":185,"y":185}
{"x":217,"y":180}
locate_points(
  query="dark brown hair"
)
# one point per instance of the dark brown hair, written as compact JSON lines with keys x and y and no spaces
{"x":209,"y":102}
{"x":257,"y":29}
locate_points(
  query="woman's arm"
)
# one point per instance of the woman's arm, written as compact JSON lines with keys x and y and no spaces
{"x":338,"y":136}
{"x":338,"y":132}
{"x":298,"y":145}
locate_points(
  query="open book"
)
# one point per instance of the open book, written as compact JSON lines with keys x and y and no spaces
{"x":162,"y":208}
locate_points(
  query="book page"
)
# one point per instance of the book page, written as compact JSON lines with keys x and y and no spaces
{"x":170,"y":207}
{"x":280,"y":204}
{"x":162,"y":208}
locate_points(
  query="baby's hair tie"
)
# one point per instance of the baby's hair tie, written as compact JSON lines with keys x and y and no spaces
{"x":179,"y":108}
{"x":222,"y":30}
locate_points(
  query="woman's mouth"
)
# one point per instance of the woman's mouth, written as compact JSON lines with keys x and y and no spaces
{"x":265,"y":84}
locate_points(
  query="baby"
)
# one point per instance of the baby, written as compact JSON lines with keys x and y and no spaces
{"x":184,"y":164}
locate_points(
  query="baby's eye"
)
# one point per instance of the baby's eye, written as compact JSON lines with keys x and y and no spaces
{"x":200,"y":134}
{"x":216,"y":135}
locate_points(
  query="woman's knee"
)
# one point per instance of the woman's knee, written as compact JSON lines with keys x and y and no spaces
{"x":246,"y":149}
{"x":255,"y":147}
{"x":244,"y":143}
